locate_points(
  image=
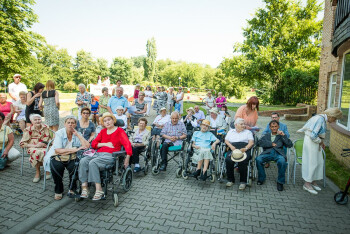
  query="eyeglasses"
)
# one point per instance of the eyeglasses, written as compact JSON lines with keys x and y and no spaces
{"x":85,"y":113}
{"x":17,"y":77}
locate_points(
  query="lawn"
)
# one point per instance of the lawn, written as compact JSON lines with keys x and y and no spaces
{"x":336,"y":170}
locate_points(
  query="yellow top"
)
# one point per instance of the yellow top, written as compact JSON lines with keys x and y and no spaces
{"x":8,"y":131}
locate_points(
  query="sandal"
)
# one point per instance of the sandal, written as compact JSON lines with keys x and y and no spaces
{"x":58,"y":196}
{"x":98,"y":195}
{"x":84,"y":193}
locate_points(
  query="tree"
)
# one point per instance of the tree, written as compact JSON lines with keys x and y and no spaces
{"x":121,"y":70}
{"x":16,"y":42}
{"x":282,"y":35}
{"x":138,"y":61}
{"x":102,"y":65}
{"x":85,"y":68}
{"x":151,"y":60}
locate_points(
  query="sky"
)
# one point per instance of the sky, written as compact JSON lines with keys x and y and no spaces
{"x":199,"y":31}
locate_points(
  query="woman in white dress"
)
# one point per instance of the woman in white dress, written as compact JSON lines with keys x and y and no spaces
{"x":315,"y":132}
{"x":209,"y":102}
{"x":179,"y":99}
{"x":148,"y":98}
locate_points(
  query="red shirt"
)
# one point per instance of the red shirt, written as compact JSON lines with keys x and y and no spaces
{"x":136,"y":93}
{"x":6,"y":108}
{"x":118,"y":139}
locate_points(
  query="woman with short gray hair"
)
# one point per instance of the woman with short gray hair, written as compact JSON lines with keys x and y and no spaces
{"x":35,"y":139}
{"x":83,"y":99}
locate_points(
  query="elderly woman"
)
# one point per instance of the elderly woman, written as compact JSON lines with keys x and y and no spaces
{"x":33,"y":99}
{"x":209,"y":102}
{"x":162,"y":98}
{"x":6,"y":108}
{"x":35,"y":139}
{"x":249,"y":112}
{"x":148,"y":98}
{"x":7,"y":139}
{"x":62,"y":155}
{"x":50,"y":98}
{"x":159,"y":122}
{"x":140,"y":104}
{"x":190,"y":122}
{"x":216,"y":120}
{"x":139,"y":141}
{"x":85,"y":126}
{"x":20,"y":108}
{"x":242,"y":140}
{"x":109,"y":140}
{"x":315,"y":132}
{"x":104,"y":101}
{"x":220,"y":101}
{"x":83,"y":99}
{"x":170,"y":100}
{"x":201,"y":143}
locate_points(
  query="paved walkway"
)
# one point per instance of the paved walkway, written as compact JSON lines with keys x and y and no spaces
{"x":166,"y":204}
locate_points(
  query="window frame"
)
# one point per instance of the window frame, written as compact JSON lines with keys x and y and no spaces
{"x":331,"y":83}
{"x":341,"y":92}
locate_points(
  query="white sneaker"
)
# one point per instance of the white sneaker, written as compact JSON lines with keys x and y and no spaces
{"x":242,"y":186}
{"x":48,"y":176}
{"x":310,"y":190}
{"x":229,"y":184}
{"x":36,"y":180}
{"x":316,"y":187}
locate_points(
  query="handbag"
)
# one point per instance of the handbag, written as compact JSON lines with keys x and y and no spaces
{"x":3,"y":160}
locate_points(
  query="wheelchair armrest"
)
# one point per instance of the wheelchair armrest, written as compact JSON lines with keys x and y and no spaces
{"x":119,"y":153}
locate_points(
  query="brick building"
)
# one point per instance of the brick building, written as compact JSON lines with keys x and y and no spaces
{"x":334,"y":80}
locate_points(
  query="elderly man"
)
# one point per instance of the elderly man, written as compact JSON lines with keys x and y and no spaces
{"x":198,"y":114}
{"x":118,"y":85}
{"x":16,"y":87}
{"x":116,"y":101}
{"x":273,"y":144}
{"x":174,"y":133}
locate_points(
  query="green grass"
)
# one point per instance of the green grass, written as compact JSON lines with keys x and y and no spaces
{"x":336,"y":170}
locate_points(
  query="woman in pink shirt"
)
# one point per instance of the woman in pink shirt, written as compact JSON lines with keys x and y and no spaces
{"x":220,"y":100}
{"x":6,"y":108}
{"x":249,"y":112}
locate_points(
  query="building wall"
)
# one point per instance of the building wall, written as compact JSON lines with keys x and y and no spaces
{"x":328,"y":63}
{"x":338,"y":142}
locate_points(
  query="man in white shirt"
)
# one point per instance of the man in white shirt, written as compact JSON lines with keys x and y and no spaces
{"x":16,"y":87}
{"x":198,"y":114}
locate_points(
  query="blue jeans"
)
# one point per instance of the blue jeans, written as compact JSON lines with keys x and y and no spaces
{"x":272,"y":156}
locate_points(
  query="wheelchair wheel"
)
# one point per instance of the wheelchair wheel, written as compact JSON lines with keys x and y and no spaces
{"x":115,"y":199}
{"x":338,"y":198}
{"x":155,"y":170}
{"x":212,"y":178}
{"x":78,"y":191}
{"x":145,"y":170}
{"x":179,"y":172}
{"x":127,"y":179}
{"x":184,"y":175}
{"x":250,"y":182}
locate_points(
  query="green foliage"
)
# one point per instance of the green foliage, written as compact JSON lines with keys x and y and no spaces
{"x":150,"y":60}
{"x":102,"y":66}
{"x":70,"y":86}
{"x":121,"y":70}
{"x":138,"y":61}
{"x":85,"y":68}
{"x":282,"y":35}
{"x":16,"y":42}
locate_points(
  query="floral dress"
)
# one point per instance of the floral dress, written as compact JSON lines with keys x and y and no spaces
{"x":34,"y":136}
{"x":104,"y":101}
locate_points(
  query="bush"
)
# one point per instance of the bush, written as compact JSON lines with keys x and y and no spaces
{"x":70,"y":86}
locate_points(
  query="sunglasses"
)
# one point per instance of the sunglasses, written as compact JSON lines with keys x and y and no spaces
{"x":18,"y":77}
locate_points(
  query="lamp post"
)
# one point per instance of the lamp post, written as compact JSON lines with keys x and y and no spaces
{"x":179,"y":81}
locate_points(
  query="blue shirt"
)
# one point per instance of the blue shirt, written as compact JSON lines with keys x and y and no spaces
{"x":316,"y":128}
{"x":199,"y":115}
{"x":283,"y":128}
{"x":203,"y":139}
{"x":114,"y":102}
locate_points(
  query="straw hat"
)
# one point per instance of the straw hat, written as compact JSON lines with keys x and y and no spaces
{"x":214,"y":110}
{"x":107,"y":114}
{"x":238,"y":156}
{"x":191,"y":109}
{"x":206,"y":123}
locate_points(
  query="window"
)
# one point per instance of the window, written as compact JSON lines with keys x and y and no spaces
{"x":332,"y":90}
{"x":345,"y":93}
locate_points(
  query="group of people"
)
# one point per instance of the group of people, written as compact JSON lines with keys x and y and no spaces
{"x":81,"y":134}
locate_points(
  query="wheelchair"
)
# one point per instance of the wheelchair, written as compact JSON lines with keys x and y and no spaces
{"x":252,"y":171}
{"x":179,"y":150}
{"x":146,"y":153}
{"x":189,"y":166}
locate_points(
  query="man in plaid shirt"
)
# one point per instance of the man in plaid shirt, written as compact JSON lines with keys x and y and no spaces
{"x":173,"y":132}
